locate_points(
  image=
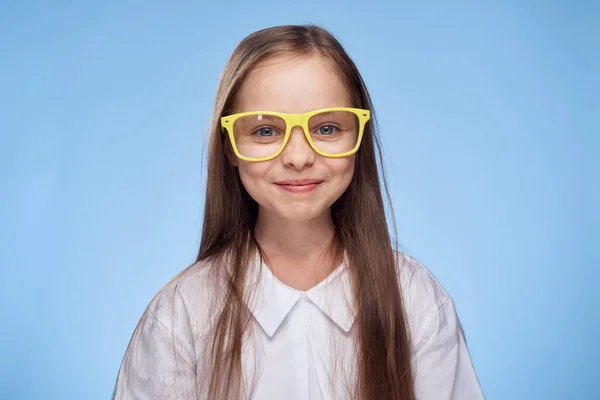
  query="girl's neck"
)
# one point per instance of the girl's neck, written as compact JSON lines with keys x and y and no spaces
{"x":299,"y":254}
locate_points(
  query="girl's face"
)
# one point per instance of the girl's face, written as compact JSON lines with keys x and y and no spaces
{"x":299,"y":184}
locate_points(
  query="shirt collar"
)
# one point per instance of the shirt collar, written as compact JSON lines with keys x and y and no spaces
{"x":272,"y":300}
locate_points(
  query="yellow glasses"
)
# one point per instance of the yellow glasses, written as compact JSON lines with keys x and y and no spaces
{"x":262,"y":135}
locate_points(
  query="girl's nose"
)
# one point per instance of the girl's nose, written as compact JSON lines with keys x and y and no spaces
{"x":297,"y":153}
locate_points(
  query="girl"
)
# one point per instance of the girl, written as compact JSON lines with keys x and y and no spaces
{"x":297,"y":292}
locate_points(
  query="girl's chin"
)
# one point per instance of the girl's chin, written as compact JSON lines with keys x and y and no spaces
{"x":299,"y":214}
{"x":295,"y":212}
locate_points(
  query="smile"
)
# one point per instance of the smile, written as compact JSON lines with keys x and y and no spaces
{"x":299,"y":186}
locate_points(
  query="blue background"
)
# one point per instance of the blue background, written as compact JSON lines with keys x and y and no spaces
{"x":489,"y":118}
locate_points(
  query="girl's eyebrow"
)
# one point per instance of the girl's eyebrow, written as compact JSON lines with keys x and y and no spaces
{"x":323,"y":114}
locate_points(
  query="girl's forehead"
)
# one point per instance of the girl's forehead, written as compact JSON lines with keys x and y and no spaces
{"x":294,"y":85}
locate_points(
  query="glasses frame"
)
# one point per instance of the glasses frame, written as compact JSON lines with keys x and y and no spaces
{"x":291,"y":121}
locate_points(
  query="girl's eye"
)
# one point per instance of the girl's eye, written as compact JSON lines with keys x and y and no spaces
{"x":265,"y":132}
{"x":327,"y":130}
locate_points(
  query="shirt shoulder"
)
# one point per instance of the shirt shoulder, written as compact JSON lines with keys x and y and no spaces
{"x":166,"y":349}
{"x":419,"y":286}
{"x":442,"y":364}
{"x":422,"y":293}
{"x":189,"y":300}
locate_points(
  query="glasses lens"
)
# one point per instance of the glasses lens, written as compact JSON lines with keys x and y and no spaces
{"x":334,"y":132}
{"x":259,"y":135}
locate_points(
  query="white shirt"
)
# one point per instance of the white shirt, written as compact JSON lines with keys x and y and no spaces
{"x":300,"y":344}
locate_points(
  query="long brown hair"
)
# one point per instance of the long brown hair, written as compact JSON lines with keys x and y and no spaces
{"x":383,"y":346}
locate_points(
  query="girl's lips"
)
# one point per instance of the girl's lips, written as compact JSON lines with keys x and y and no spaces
{"x":303,"y":186}
{"x":299,"y":182}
